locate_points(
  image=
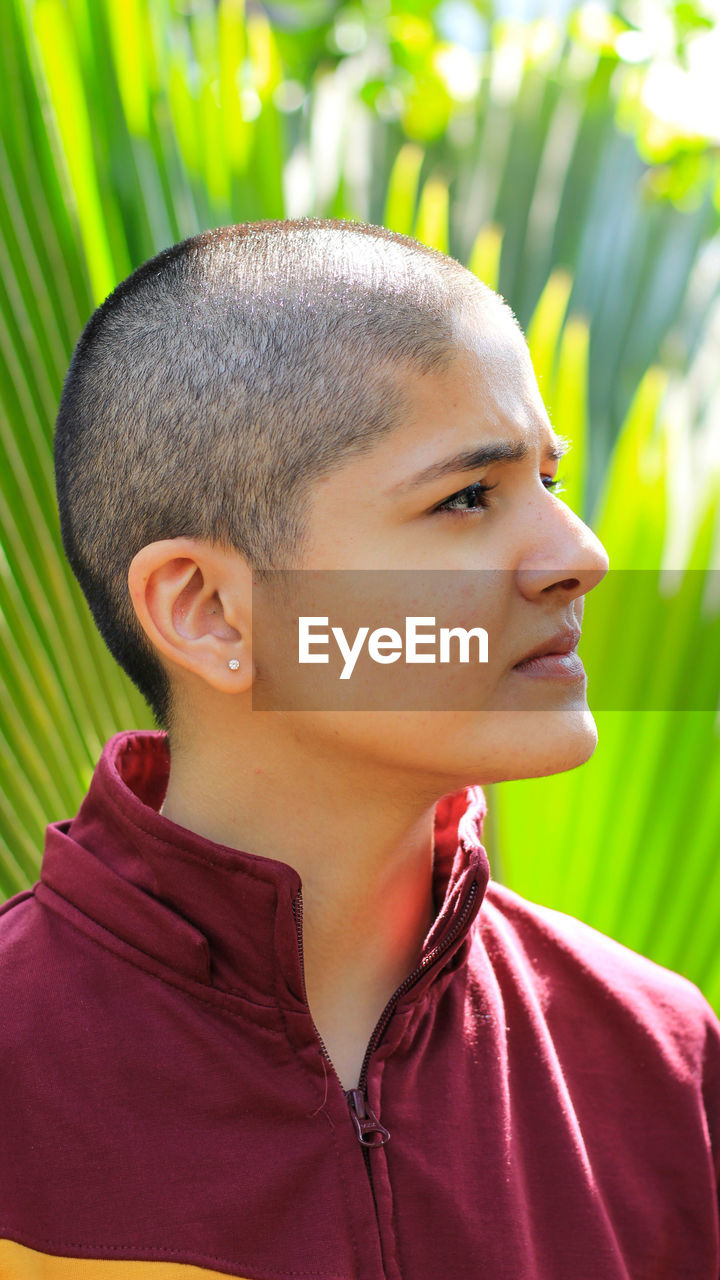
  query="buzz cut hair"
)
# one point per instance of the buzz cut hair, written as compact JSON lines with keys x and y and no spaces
{"x":225,"y":376}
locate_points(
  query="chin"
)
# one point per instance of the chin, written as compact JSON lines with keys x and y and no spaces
{"x":535,"y":744}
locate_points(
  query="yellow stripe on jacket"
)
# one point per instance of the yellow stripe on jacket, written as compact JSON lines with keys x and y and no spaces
{"x":17,"y":1262}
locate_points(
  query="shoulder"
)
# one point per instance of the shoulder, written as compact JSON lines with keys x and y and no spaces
{"x":20,"y":936}
{"x":28,"y":986}
{"x":51,"y":977}
{"x":32,"y":949}
{"x":587,"y":981}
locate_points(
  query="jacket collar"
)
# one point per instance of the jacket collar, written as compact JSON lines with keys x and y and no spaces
{"x":215,"y":914}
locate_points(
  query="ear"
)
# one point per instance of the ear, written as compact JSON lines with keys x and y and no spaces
{"x":194,"y":603}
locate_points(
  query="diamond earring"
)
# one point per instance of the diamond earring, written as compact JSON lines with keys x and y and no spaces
{"x":233,"y":664}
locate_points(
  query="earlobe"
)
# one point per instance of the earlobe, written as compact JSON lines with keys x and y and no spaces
{"x":193,"y":602}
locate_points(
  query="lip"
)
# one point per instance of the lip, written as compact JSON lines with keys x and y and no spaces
{"x":560,"y":644}
{"x":553,"y":666}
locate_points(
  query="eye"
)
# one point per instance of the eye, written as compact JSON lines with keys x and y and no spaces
{"x":473,"y":496}
{"x":467,"y":499}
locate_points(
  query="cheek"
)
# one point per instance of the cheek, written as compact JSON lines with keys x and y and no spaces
{"x":466,"y":601}
{"x":450,"y":651}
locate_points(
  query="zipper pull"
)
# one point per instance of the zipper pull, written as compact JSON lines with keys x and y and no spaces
{"x":370,"y":1132}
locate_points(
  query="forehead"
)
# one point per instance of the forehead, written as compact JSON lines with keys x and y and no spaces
{"x":485,"y":402}
{"x":486,"y":395}
{"x":488,"y":386}
{"x":493,"y":350}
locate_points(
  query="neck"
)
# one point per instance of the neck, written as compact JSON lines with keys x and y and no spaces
{"x":362,"y":845}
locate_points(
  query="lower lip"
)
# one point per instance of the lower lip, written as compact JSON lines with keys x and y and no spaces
{"x":553,"y":666}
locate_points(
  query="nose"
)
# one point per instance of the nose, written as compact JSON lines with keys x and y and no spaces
{"x":564,"y":556}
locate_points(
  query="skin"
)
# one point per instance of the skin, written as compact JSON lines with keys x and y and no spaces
{"x":367,"y":784}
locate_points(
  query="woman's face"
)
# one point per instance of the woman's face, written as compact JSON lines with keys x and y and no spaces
{"x":421,"y":527}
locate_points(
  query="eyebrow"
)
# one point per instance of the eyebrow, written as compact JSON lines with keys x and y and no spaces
{"x":474,"y":459}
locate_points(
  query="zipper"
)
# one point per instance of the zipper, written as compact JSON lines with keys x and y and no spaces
{"x":297,"y":907}
{"x":370,"y":1132}
{"x":426,"y":963}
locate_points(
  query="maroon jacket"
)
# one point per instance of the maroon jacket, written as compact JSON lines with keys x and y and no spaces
{"x":537,"y":1101}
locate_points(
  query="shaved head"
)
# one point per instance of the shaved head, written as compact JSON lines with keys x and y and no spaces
{"x":223,"y":378}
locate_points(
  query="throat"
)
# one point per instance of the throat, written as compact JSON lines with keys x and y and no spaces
{"x":346,"y":1047}
{"x":346,"y":1027}
{"x":352,"y":969}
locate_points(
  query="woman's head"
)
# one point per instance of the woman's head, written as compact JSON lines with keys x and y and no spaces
{"x":323,"y":396}
{"x":223,"y":378}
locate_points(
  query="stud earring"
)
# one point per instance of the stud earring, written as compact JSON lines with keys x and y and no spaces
{"x":233,"y":664}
